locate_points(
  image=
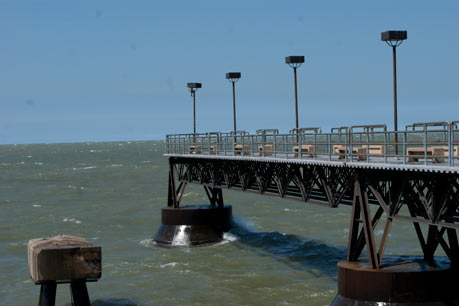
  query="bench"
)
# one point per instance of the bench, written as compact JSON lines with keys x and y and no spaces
{"x":359,"y":151}
{"x":240,"y":149}
{"x":269,"y":148}
{"x":435,"y":153}
{"x":305,"y":149}
{"x":195,"y":149}
{"x":375,"y":149}
{"x":446,"y":150}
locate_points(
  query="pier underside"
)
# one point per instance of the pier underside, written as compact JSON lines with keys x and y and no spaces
{"x":427,"y":199}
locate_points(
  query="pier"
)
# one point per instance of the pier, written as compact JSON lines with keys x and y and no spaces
{"x":410,"y":176}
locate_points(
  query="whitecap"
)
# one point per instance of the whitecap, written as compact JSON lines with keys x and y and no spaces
{"x":190,"y":194}
{"x":36,"y":205}
{"x":173,"y":264}
{"x":227,"y":238}
{"x":84,"y":168}
{"x":292,"y":210}
{"x":71,"y":220}
{"x":230,"y":237}
{"x":117,"y":165}
{"x":38,"y":163}
{"x":147,"y":242}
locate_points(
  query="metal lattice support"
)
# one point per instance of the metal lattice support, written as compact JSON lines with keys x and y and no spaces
{"x":428,"y":199}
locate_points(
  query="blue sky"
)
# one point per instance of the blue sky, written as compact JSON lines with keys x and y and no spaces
{"x":75,"y":71}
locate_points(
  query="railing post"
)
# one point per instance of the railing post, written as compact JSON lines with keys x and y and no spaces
{"x":263,"y":144}
{"x":346,"y":147}
{"x":274,"y":145}
{"x":166,"y":147}
{"x":425,"y":146}
{"x":284,"y":145}
{"x":405,"y":139}
{"x":234,"y":141}
{"x":315,"y":146}
{"x":300,"y":144}
{"x":385,"y":147}
{"x":368,"y":147}
{"x":350,"y":145}
{"x":450,"y":146}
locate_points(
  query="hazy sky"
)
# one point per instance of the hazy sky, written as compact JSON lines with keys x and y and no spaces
{"x":117,"y":70}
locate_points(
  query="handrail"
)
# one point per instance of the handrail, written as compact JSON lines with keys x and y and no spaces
{"x":339,"y":129}
{"x":268,"y":131}
{"x":316,"y":130}
{"x":425,"y":147}
{"x":369,"y":128}
{"x":425,"y":125}
{"x":240,"y":132}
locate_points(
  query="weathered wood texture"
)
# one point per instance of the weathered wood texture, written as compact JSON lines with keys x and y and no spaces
{"x":63,"y":258}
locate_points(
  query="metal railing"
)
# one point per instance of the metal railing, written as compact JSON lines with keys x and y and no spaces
{"x":436,"y":145}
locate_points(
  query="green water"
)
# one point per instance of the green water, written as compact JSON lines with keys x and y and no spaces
{"x":281,"y":252}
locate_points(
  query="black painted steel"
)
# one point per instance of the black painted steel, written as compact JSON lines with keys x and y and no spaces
{"x":193,"y":225}
{"x":47,"y":294}
{"x":429,"y":200}
{"x":394,"y":35}
{"x":194,"y":85}
{"x":402,"y":279}
{"x":294,"y":59}
{"x":80,"y":296}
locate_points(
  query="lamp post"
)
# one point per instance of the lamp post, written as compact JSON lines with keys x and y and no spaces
{"x":394,"y":39}
{"x":193,"y":87}
{"x":233,"y":77}
{"x":295,"y":62}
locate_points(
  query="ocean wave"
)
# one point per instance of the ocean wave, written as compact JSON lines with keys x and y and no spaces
{"x":66,"y":219}
{"x":292,"y":210}
{"x":227,"y":238}
{"x":191,"y":194}
{"x":147,"y":242}
{"x":75,"y":187}
{"x":173,"y":264}
{"x":84,"y":168}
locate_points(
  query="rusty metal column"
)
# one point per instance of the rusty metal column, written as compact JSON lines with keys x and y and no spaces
{"x":234,"y":108}
{"x":296,"y":101}
{"x":193,"y":93}
{"x":194,"y":112}
{"x":394,"y":53}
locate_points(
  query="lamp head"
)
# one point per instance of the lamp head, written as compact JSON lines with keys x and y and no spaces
{"x":233,"y":76}
{"x":394,"y":38}
{"x":294,"y":61}
{"x":194,"y":85}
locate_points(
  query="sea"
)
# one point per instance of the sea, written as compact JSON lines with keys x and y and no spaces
{"x":280,"y":252}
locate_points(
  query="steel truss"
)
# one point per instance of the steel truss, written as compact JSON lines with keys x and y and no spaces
{"x":423,"y":198}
